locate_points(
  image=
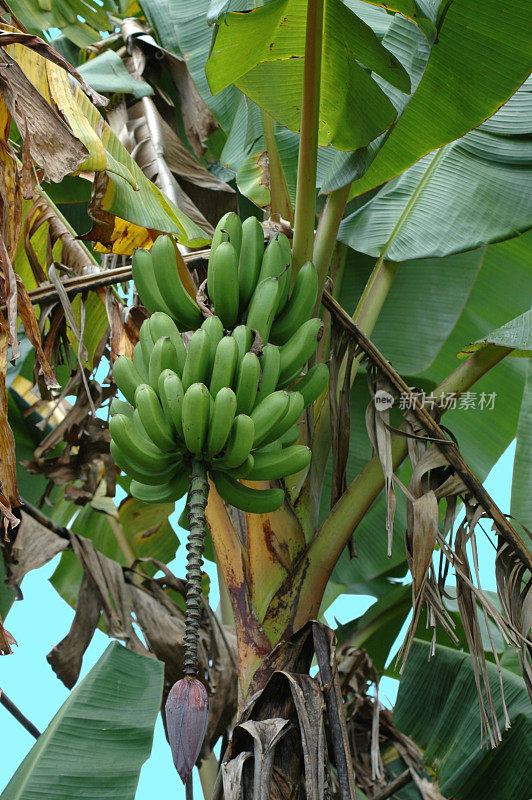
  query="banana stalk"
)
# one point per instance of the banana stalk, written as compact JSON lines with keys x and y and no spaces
{"x":196,"y":503}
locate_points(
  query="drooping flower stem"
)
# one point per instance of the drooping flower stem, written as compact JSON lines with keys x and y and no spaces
{"x":196,"y":503}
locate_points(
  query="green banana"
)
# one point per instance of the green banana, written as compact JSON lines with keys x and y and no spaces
{"x":225,"y":363}
{"x":273,"y":261}
{"x":270,"y":362}
{"x":267,"y":415}
{"x":137,"y":450}
{"x":127,"y":378}
{"x":164,"y":356}
{"x":258,"y":501}
{"x":272,"y":466}
{"x":287,"y":383}
{"x":313,"y":384}
{"x":146,"y":341}
{"x":244,"y":339}
{"x":215,"y":332}
{"x":163,"y":325}
{"x":221,"y":421}
{"x":248,"y":383}
{"x":160,"y":391}
{"x":140,"y":364}
{"x":239,"y":443}
{"x":229,"y":228}
{"x":244,"y":469}
{"x":262,"y":308}
{"x":119,"y":407}
{"x":300,"y":347}
{"x":273,"y":447}
{"x":173,"y":394}
{"x":250,"y":260}
{"x":166,"y":493}
{"x":196,"y":414}
{"x":145,"y":283}
{"x":198,"y":359}
{"x":299,"y":307}
{"x":184,"y":309}
{"x":290,"y":436}
{"x":134,"y":471}
{"x":295,"y":407}
{"x":223,"y":269}
{"x":139,"y":434}
{"x":276,"y":264}
{"x":153,"y":418}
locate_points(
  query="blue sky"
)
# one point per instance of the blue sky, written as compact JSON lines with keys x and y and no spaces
{"x":43,"y":618}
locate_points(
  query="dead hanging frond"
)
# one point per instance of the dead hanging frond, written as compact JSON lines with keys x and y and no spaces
{"x":514,"y":588}
{"x":441,"y":474}
{"x":379,"y":432}
{"x":384,"y":759}
{"x":342,"y":354}
{"x":319,"y":734}
{"x":85,"y":463}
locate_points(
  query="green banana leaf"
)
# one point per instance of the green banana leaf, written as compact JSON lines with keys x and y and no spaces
{"x":517,"y":334}
{"x":37,"y":17}
{"x":107,"y":73}
{"x":264,"y":49}
{"x":468,"y":193}
{"x":437,"y":706}
{"x":521,"y":504}
{"x":462,"y":85}
{"x":97,"y":742}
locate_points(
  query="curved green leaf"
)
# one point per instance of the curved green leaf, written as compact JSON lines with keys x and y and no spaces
{"x":472,"y":192}
{"x":107,"y":73}
{"x":437,"y":706}
{"x":97,"y":742}
{"x":517,"y":334}
{"x":463,"y":84}
{"x":264,"y":49}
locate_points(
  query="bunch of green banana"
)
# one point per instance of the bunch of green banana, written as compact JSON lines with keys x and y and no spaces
{"x":247,"y":281}
{"x":216,"y":400}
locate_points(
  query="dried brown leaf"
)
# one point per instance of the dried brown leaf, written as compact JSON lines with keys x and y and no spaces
{"x":266,"y":734}
{"x":8,"y":466}
{"x":34,"y":546}
{"x":66,"y":657}
{"x":379,"y":432}
{"x":232,"y":775}
{"x":54,"y":147}
{"x":326,"y":657}
{"x":11,"y":36}
{"x":339,"y":394}
{"x":6,"y":640}
{"x":515,"y":593}
{"x":27,"y":315}
{"x":308,"y":701}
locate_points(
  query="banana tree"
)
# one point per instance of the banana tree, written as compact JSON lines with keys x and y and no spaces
{"x":422,"y":183}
